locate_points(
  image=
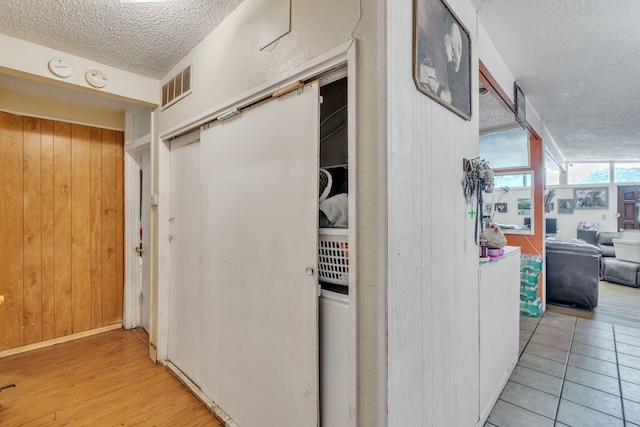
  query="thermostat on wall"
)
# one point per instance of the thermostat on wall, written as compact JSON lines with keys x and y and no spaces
{"x":96,"y":78}
{"x":60,"y":67}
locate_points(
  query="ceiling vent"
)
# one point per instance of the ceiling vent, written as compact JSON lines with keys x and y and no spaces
{"x":176,"y":88}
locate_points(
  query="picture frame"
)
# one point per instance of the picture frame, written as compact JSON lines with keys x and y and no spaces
{"x":524,"y":206}
{"x":442,"y":56}
{"x":591,"y":198}
{"x":501,"y":207}
{"x":521,"y":106}
{"x":487,"y":208}
{"x":565,"y":206}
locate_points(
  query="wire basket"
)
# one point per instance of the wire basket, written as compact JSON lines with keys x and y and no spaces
{"x":333,"y":255}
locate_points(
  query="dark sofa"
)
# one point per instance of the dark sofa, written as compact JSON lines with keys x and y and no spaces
{"x":573,"y":273}
{"x":616,"y":270}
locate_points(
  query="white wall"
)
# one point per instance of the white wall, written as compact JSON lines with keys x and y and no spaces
{"x":432,"y":258}
{"x":228,"y":64}
{"x":568,"y":223}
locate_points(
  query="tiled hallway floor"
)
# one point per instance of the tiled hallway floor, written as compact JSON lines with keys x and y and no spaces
{"x":572,"y":372}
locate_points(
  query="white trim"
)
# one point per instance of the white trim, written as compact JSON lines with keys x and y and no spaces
{"x":61,"y":119}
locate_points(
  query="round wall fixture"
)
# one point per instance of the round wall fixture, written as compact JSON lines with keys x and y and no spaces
{"x":60,"y":67}
{"x":96,"y":78}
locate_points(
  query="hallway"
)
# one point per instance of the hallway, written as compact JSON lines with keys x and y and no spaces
{"x":572,"y":372}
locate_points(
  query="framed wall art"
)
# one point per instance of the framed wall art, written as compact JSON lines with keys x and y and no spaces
{"x":442,"y":56}
{"x":524,"y":206}
{"x":590,"y":198}
{"x":565,"y":206}
{"x":501,"y":207}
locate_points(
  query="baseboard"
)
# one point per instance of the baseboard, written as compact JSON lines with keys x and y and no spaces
{"x":210,"y":404}
{"x":60,"y":340}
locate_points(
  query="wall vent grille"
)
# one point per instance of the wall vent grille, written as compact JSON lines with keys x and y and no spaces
{"x":176,"y":88}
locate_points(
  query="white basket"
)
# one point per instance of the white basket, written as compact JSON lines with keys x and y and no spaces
{"x":333,"y":255}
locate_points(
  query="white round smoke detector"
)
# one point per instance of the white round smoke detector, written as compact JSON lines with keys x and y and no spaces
{"x":96,"y":78}
{"x":60,"y":67}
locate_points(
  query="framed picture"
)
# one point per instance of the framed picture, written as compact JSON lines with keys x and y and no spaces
{"x":521,"y":106}
{"x":442,"y":56}
{"x":524,"y":206}
{"x":487,"y":207}
{"x":501,"y":207}
{"x":565,"y":206}
{"x":590,"y":198}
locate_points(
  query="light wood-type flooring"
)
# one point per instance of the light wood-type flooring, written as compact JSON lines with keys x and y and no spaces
{"x":617,"y":304}
{"x":103,"y":380}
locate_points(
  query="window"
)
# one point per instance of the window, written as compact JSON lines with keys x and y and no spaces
{"x":512,"y":181}
{"x":505,"y":149}
{"x":626,"y":172}
{"x":552,"y":177}
{"x":588,"y":173}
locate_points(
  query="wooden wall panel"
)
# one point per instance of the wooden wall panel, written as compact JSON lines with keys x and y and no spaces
{"x":109,"y":227}
{"x":62,"y":235}
{"x":32,"y":231}
{"x":81,"y":227}
{"x":62,"y":227}
{"x":96,"y":228}
{"x":11,"y":237}
{"x":120,"y":226}
{"x":48,"y":224}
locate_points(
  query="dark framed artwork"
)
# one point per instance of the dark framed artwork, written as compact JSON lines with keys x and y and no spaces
{"x":501,"y":207}
{"x":442,"y":56}
{"x":524,"y":206}
{"x":590,"y":198}
{"x":565,"y":206}
{"x":521,"y":106}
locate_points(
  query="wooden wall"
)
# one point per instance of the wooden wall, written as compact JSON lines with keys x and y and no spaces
{"x":61,"y":229}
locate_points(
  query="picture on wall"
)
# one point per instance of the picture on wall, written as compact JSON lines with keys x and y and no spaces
{"x":442,"y":56}
{"x":524,"y":206}
{"x":501,"y":207}
{"x":565,"y":206}
{"x":591,"y":198}
{"x":487,"y":207}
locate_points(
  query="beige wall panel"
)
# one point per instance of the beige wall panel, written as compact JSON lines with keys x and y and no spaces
{"x":32,"y":231}
{"x":11,"y":237}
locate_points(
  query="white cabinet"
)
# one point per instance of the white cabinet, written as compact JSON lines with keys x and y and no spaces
{"x":499,"y":325}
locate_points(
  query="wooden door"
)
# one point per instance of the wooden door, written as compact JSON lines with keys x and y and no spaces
{"x":256,"y":306}
{"x":628,"y":207}
{"x":61,"y":229}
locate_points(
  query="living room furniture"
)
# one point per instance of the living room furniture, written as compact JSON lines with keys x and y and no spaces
{"x":613,"y":269}
{"x":589,"y":236}
{"x":573,"y":273}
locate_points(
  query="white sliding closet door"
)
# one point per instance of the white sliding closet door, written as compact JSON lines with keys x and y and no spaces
{"x":184,"y":293}
{"x":258,"y":234}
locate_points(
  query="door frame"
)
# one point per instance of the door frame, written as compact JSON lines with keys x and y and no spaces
{"x":132,"y":277}
{"x":340,"y":56}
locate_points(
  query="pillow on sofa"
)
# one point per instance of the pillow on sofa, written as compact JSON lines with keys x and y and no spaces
{"x":605,"y":242}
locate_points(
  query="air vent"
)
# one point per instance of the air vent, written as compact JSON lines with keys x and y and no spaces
{"x":176,"y":88}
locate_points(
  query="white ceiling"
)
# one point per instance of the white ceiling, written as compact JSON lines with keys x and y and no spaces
{"x":576,"y":60}
{"x":144,"y":38}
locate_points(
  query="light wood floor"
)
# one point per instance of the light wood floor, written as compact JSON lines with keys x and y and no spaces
{"x":617,"y":304}
{"x":103,"y":380}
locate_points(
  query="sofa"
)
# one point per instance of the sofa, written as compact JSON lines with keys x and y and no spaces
{"x":613,"y":269}
{"x":573,"y":273}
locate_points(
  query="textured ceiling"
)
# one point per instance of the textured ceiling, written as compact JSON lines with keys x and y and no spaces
{"x":578,"y":63}
{"x":144,"y":38}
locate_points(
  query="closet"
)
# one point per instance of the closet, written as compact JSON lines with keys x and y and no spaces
{"x":333,"y":255}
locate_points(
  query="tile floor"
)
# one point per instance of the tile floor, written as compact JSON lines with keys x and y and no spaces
{"x":572,"y":372}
